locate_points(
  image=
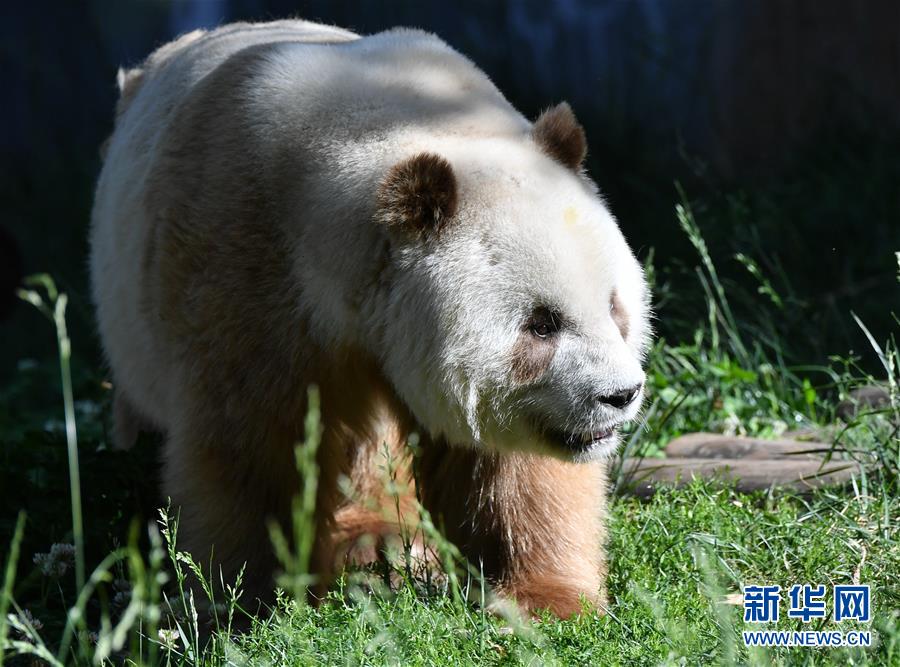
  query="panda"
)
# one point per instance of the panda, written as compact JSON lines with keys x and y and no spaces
{"x":285,"y":205}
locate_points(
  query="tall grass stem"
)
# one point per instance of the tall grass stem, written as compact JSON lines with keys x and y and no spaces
{"x":8,"y":579}
{"x":57,"y":315}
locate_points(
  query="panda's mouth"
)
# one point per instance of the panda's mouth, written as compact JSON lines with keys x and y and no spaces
{"x":580,"y":441}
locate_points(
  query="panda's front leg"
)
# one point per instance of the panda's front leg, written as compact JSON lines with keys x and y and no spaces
{"x":534,"y":525}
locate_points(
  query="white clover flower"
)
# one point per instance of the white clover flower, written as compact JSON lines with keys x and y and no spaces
{"x":168,"y":637}
{"x":59,"y":560}
{"x":26,"y":618}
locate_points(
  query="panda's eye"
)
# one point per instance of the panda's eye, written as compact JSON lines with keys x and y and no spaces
{"x":541,"y":329}
{"x":544,"y":323}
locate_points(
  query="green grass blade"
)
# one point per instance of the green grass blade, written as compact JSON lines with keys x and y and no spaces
{"x":9,"y":579}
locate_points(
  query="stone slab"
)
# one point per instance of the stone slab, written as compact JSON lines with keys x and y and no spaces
{"x":643,"y":476}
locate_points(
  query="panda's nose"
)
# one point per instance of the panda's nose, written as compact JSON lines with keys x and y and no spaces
{"x":621,"y":399}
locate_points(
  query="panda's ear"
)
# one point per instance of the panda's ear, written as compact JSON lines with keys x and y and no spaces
{"x":559,"y":134}
{"x":418,"y":194}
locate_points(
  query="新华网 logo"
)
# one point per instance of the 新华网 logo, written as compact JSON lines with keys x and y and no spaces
{"x":805,"y":602}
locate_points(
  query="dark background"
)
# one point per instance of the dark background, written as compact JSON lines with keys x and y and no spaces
{"x":780,"y":120}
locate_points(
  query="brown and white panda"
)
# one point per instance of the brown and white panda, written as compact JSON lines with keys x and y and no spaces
{"x":288,"y":204}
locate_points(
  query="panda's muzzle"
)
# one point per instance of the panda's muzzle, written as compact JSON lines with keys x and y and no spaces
{"x":576,"y":442}
{"x":600,"y":432}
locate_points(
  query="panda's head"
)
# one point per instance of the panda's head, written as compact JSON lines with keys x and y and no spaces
{"x":515,"y":315}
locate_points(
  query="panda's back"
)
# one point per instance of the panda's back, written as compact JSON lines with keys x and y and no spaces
{"x":286,"y":125}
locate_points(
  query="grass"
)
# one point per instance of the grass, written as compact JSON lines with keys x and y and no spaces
{"x":676,"y":560}
{"x":673,"y":561}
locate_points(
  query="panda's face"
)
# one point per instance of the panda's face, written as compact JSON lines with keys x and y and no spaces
{"x":557,"y":303}
{"x":530,"y":314}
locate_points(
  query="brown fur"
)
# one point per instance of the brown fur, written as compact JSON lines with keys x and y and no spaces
{"x":560,"y":135}
{"x":620,"y":317}
{"x":534,"y":524}
{"x":531,"y":356}
{"x":419,"y":194}
{"x":220,"y":293}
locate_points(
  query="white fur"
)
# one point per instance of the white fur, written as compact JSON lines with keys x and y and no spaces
{"x":528,"y":230}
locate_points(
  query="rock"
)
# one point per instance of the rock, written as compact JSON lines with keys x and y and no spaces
{"x":862,"y":399}
{"x":641,"y":477}
{"x":718,"y":446}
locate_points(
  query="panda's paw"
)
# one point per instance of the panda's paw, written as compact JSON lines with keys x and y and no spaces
{"x":532,"y":598}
